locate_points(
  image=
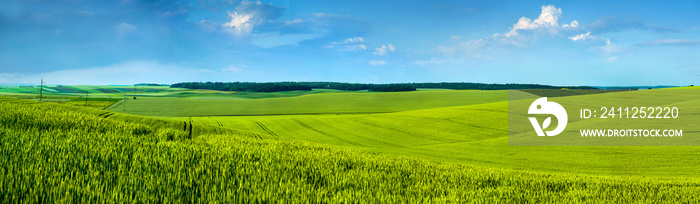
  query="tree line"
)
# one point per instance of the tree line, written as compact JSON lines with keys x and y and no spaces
{"x":292,"y":86}
{"x":393,"y":88}
{"x":150,"y":84}
{"x":244,"y":86}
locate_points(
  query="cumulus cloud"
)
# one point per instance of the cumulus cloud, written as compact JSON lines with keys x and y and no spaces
{"x":250,"y":14}
{"x":547,"y":23}
{"x":573,"y":24}
{"x":377,"y":62}
{"x":259,"y":24}
{"x":384,"y":49}
{"x":240,"y":23}
{"x":548,"y":20}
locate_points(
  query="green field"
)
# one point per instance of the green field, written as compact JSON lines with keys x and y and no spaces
{"x":326,"y":146}
{"x":319,"y":103}
{"x":470,"y":134}
{"x":97,"y":96}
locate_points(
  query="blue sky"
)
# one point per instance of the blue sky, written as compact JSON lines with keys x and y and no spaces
{"x":544,"y":42}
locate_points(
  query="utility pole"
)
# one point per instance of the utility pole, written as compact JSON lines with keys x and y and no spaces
{"x":86,"y":96}
{"x":41,"y":89}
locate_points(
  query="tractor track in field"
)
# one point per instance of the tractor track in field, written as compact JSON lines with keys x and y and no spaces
{"x":219,"y":123}
{"x":366,"y":137}
{"x":113,"y":105}
{"x":403,"y":131}
{"x":325,"y":133}
{"x":266,"y":129}
{"x":105,"y":114}
{"x":463,"y":123}
{"x":284,"y":114}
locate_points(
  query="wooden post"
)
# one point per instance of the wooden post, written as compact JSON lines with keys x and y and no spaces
{"x":86,"y":96}
{"x":190,"y":129}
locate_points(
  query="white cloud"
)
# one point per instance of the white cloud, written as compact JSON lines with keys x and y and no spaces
{"x":611,"y":52}
{"x":248,"y":15}
{"x":523,"y":31}
{"x":355,"y":47}
{"x":240,"y":23}
{"x":549,"y":18}
{"x":355,"y":39}
{"x":583,"y":36}
{"x":384,"y":49}
{"x":610,"y":48}
{"x":377,"y":62}
{"x":124,"y":28}
{"x":349,"y":44}
{"x":455,"y":37}
{"x":573,"y":24}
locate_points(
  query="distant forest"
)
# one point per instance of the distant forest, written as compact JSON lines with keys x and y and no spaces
{"x":393,"y":88}
{"x":293,"y":86}
{"x":150,"y":84}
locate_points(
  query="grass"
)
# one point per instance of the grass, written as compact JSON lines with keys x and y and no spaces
{"x":477,"y":135}
{"x":565,"y":92}
{"x":61,"y":153}
{"x":93,"y":90}
{"x":98,"y":95}
{"x":423,"y":146}
{"x":684,"y":87}
{"x":474,"y":135}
